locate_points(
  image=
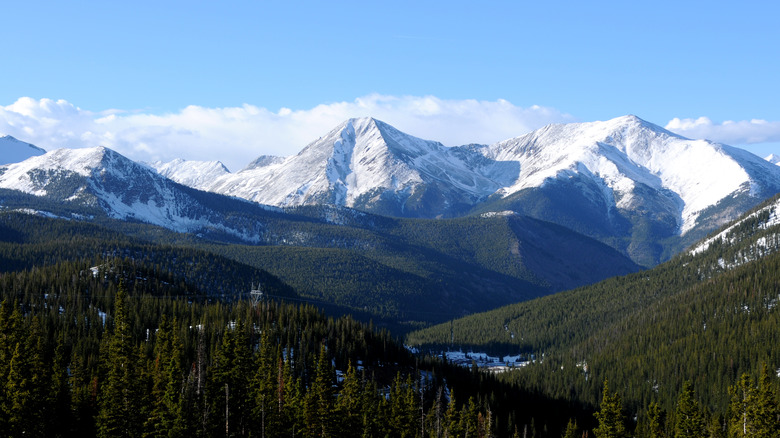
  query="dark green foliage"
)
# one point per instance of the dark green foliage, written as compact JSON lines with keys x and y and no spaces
{"x":656,"y":422}
{"x":403,"y":273}
{"x":753,"y":410}
{"x":165,"y":365}
{"x":689,"y":417}
{"x":611,"y":421}
{"x":708,"y":318}
{"x":572,"y":431}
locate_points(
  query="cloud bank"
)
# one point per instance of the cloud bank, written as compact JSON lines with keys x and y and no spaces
{"x":238,"y":135}
{"x":745,"y":132}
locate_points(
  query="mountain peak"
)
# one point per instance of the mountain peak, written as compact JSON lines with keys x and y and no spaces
{"x":13,"y":150}
{"x":773,"y":158}
{"x":196,"y":174}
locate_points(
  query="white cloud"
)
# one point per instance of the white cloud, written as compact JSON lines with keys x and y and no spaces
{"x":238,"y":135}
{"x":744,"y":132}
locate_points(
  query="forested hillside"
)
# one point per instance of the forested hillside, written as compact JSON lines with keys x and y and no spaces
{"x":111,"y":353}
{"x":403,"y":273}
{"x":707,"y":318}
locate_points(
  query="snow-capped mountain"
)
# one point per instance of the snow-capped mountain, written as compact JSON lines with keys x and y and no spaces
{"x":14,"y":151}
{"x":122,"y":189}
{"x":637,"y":187}
{"x":364,"y":163}
{"x":460,"y":265}
{"x":632,"y":183}
{"x":194,"y":174}
{"x":625,"y":181}
{"x":772,"y":158}
{"x":627,"y":157}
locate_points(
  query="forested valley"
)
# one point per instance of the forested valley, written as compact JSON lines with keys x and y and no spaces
{"x":105,"y":335}
{"x":702,"y":327}
{"x":102,"y":334}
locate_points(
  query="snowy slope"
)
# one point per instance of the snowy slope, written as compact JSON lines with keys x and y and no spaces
{"x":765,"y":217}
{"x":625,"y":154}
{"x":624,"y":181}
{"x":14,"y":151}
{"x":753,"y":236}
{"x":195,"y":174}
{"x":123,"y":189}
{"x":772,"y":158}
{"x":636,"y":166}
{"x":631,"y":184}
{"x":357,"y":163}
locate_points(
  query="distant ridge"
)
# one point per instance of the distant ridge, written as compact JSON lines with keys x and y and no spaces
{"x":627,"y":182}
{"x":14,"y":151}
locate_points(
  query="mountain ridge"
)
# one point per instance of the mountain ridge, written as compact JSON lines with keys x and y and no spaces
{"x":627,"y":182}
{"x":640,"y":188}
{"x":13,"y":150}
{"x":381,"y":264}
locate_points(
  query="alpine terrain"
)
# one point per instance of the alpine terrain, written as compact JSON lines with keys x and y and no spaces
{"x":125,"y":303}
{"x":633,"y":185}
{"x":405,"y":271}
{"x":13,"y":150}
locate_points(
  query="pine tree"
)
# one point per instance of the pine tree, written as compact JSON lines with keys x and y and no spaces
{"x":154,"y":425}
{"x":452,"y":418}
{"x":469,"y":418}
{"x":265,"y":383}
{"x":370,"y":402}
{"x":348,"y":404}
{"x":689,"y":418}
{"x":27,"y":387}
{"x":229,"y":387}
{"x":172,"y":400}
{"x":742,"y":394}
{"x":319,"y":398}
{"x":572,"y":431}
{"x":10,"y":337}
{"x":765,"y":411}
{"x":655,"y":421}
{"x":60,"y":394}
{"x":610,"y":416}
{"x":119,"y":401}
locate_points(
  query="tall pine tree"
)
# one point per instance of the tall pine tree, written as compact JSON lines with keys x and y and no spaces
{"x":610,"y":416}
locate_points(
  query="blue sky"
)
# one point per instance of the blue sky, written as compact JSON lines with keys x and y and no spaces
{"x":234,"y":80}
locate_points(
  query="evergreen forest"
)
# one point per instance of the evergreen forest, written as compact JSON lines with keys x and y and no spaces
{"x":132,"y":331}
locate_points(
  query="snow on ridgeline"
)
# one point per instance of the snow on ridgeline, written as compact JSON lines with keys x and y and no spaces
{"x":14,"y":151}
{"x":354,"y":160}
{"x":195,"y":174}
{"x":762,"y":219}
{"x":122,"y":188}
{"x":637,"y":166}
{"x":625,"y":156}
{"x":773,"y":219}
{"x":772,"y":158}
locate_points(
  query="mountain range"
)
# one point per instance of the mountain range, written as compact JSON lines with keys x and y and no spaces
{"x":392,"y":268}
{"x":641,"y":189}
{"x":709,"y":315}
{"x":370,"y":218}
{"x":13,"y":150}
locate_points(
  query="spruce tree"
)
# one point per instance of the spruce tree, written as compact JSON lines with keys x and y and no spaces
{"x":765,"y":411}
{"x":348,"y":404}
{"x":610,"y":416}
{"x":689,"y":418}
{"x":60,"y":394}
{"x":119,"y":400}
{"x":655,"y":421}
{"x":571,"y":430}
{"x":452,"y":418}
{"x":741,"y":406}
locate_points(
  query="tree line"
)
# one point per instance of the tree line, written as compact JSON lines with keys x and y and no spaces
{"x":96,"y":355}
{"x":753,"y":411}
